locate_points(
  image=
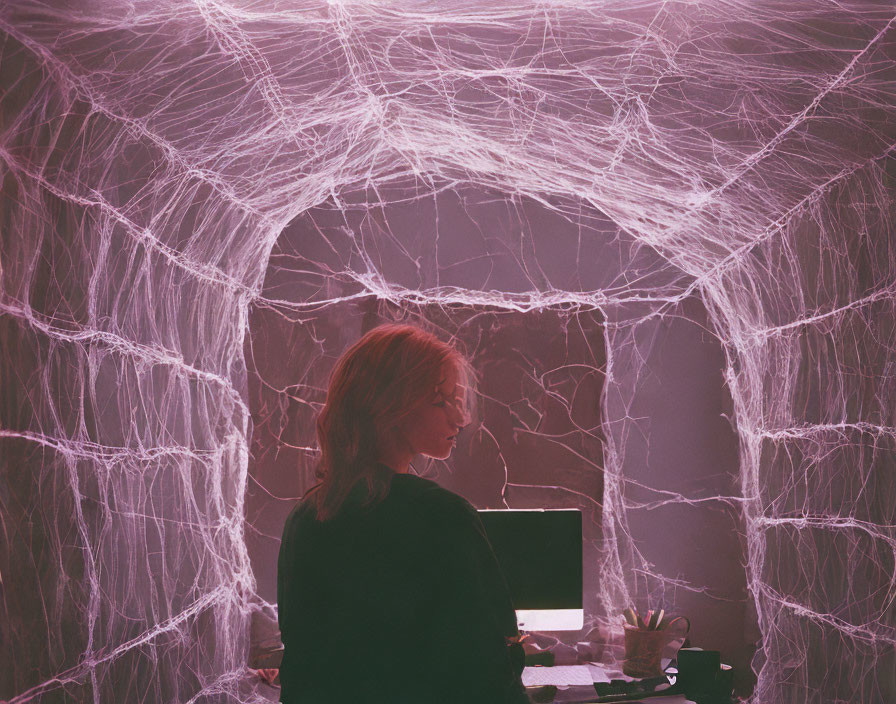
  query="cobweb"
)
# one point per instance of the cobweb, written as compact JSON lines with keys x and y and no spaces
{"x":737,"y":154}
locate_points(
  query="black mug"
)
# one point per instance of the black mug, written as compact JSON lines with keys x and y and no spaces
{"x":702,"y":676}
{"x":698,"y":666}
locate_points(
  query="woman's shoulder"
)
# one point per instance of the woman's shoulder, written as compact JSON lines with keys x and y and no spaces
{"x":413,"y":484}
{"x":409,"y":495}
{"x":302,"y":513}
{"x":430,"y":496}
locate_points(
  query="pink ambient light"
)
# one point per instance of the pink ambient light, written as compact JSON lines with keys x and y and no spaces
{"x":663,"y":231}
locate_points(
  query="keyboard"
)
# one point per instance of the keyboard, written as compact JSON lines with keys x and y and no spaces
{"x":575,"y":677}
{"x":557,"y":675}
{"x":622,"y":690}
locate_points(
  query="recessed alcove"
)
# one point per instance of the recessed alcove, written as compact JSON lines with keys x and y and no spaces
{"x":527,"y":287}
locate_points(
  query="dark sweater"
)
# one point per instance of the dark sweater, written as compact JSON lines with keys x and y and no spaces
{"x":400,"y":602}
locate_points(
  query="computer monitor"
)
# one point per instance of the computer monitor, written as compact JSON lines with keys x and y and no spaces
{"x":540,"y":553}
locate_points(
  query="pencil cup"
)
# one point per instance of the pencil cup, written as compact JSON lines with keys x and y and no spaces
{"x":644,"y":648}
{"x":643,"y":651}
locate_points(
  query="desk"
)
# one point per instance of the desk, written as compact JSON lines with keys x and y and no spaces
{"x":582,"y":695}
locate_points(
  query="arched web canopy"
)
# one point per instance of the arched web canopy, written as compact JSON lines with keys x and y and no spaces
{"x":728,"y":163}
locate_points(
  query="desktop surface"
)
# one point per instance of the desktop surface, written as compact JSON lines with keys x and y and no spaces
{"x":563,"y":684}
{"x":582,"y":695}
{"x":615,"y":693}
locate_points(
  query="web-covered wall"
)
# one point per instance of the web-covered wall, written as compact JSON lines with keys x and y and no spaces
{"x":152,"y":153}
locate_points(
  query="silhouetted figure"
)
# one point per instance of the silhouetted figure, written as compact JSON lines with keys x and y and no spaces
{"x":388,"y":589}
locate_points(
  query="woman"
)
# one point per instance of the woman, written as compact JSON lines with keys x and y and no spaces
{"x":387,"y":588}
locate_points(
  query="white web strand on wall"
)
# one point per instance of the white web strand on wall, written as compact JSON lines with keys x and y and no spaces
{"x":152,"y":153}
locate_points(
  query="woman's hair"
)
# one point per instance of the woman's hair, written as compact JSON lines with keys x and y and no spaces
{"x":380,"y":380}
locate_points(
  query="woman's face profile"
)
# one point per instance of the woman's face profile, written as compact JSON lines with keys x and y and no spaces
{"x":432,"y":427}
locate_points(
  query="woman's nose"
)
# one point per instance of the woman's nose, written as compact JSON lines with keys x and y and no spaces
{"x":460,"y":418}
{"x":456,"y":416}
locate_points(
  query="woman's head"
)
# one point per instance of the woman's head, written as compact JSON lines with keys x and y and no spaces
{"x":433,"y":425}
{"x":397,"y":390}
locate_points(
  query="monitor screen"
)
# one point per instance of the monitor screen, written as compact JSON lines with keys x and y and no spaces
{"x":540,"y":553}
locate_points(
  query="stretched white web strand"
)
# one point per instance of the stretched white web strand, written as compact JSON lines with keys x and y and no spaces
{"x":152,"y":153}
